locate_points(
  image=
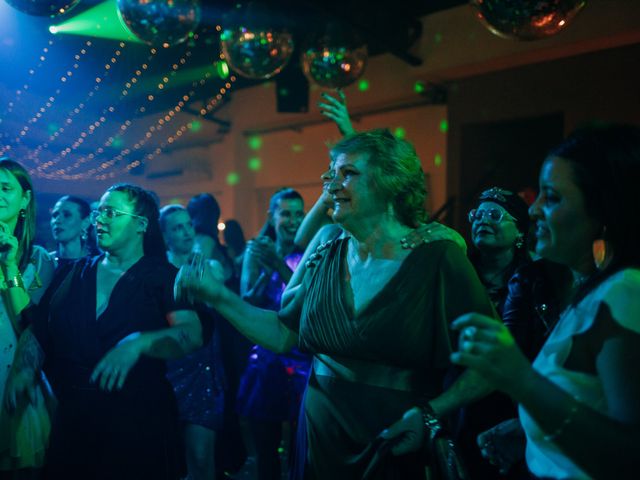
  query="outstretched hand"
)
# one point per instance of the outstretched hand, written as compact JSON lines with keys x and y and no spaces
{"x":336,"y":109}
{"x":199,"y":282}
{"x":487,"y":346}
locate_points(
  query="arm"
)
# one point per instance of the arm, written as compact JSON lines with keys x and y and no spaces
{"x":258,"y":325}
{"x":182,"y":337}
{"x":583,"y":434}
{"x":336,"y":109}
{"x":314,"y":220}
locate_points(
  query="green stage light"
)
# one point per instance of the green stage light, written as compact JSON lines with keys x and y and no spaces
{"x":102,"y":21}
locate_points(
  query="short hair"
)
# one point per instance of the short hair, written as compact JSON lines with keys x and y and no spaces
{"x":25,"y":230}
{"x":397,"y":172}
{"x":168,"y":210}
{"x":145,"y":205}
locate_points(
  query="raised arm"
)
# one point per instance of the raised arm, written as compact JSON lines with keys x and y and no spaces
{"x":258,"y":325}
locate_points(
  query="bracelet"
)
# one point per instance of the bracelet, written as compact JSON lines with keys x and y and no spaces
{"x":15,"y":282}
{"x":431,"y":423}
{"x":565,"y":423}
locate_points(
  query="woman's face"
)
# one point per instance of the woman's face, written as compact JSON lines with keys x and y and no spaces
{"x":490,"y":234}
{"x":12,"y":198}
{"x":352,"y":191}
{"x":124,"y":228}
{"x":286,"y":219}
{"x":67,"y":223}
{"x":564,"y":232}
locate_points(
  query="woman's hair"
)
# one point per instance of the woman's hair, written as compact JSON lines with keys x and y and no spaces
{"x":234,"y":236}
{"x":285,"y":193}
{"x":205,"y":213}
{"x":397,"y":173}
{"x":84,"y":208}
{"x":145,"y":205}
{"x":25,"y":230}
{"x":605,"y":162}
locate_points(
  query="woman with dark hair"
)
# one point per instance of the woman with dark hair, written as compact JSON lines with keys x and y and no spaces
{"x":373,"y":314}
{"x":105,"y":327}
{"x":272,"y":385}
{"x":234,"y":241}
{"x":25,"y":272}
{"x":579,"y":400}
{"x":72,"y":230}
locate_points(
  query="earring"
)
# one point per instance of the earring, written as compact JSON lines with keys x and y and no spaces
{"x":601,"y":253}
{"x":520,"y":241}
{"x":84,"y":235}
{"x":22,"y":213}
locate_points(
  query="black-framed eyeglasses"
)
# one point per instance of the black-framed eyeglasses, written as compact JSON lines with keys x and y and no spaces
{"x":108,"y":214}
{"x":493,"y":215}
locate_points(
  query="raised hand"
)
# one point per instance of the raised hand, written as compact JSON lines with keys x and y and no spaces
{"x":8,"y":245}
{"x":204,"y":284}
{"x":336,"y":109}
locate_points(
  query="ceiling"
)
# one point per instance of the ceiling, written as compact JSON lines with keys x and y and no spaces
{"x":78,"y":106}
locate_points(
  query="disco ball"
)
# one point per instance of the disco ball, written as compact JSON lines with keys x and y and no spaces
{"x":160,"y":22}
{"x":257,"y":53}
{"x":333,"y":66}
{"x":526,"y":19}
{"x":43,"y":8}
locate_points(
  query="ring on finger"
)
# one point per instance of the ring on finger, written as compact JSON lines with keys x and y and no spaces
{"x":469,"y":333}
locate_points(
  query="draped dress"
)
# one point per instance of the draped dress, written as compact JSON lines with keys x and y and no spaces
{"x":369,"y":368}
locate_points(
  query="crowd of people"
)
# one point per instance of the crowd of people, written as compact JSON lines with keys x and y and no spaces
{"x":363,"y":336}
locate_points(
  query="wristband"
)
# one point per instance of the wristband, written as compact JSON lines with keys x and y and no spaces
{"x":431,"y":423}
{"x":15,"y":282}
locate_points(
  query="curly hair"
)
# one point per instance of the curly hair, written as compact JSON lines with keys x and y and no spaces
{"x":397,"y":173}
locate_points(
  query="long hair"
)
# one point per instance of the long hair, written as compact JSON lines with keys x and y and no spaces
{"x":605,"y":163}
{"x":25,"y":229}
{"x":145,"y":205}
{"x":85,"y":210}
{"x":205,"y":213}
{"x":284,"y":193}
{"x":397,"y":174}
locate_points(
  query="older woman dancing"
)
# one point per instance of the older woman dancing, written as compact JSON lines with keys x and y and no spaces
{"x":374,"y":315}
{"x":579,"y":401}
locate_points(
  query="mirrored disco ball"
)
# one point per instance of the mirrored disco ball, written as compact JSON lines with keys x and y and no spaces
{"x":43,"y":8}
{"x":526,"y":19}
{"x":256,"y":53}
{"x":160,"y":22}
{"x":333,"y":66}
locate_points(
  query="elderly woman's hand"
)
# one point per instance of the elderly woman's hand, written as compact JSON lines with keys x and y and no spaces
{"x":487,"y":346}
{"x":407,"y":433}
{"x":503,"y":445}
{"x":433,"y":232}
{"x":203,"y":281}
{"x":336,"y":110}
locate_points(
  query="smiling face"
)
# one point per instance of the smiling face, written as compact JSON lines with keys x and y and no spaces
{"x":286,"y":219}
{"x":488,"y":234}
{"x":564,"y":231}
{"x":67,"y":223}
{"x":352,"y":191}
{"x":12,"y":198}
{"x":122,"y":231}
{"x":179,"y":233}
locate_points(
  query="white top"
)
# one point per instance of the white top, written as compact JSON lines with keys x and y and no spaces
{"x":621,"y":292}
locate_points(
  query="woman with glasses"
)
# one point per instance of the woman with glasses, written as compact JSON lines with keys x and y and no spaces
{"x":25,"y":272}
{"x":579,"y":401}
{"x":499,"y":227}
{"x":105,"y":328}
{"x":72,"y":229}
